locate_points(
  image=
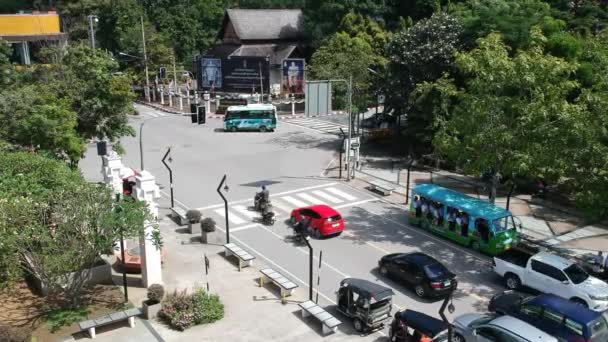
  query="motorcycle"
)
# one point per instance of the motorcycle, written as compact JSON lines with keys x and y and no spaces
{"x":268,"y":218}
{"x":261,"y":205}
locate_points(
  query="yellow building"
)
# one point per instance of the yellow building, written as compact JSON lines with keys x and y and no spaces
{"x":24,"y":29}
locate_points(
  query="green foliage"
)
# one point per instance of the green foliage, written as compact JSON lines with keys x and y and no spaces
{"x":208,"y":225}
{"x":58,"y":318}
{"x":182,"y":310}
{"x":156,"y":293}
{"x":418,"y":54}
{"x":53,"y":222}
{"x":513,"y":19}
{"x":6,"y":69}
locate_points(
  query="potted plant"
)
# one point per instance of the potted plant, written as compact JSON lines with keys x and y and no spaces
{"x":207,"y":226}
{"x":151,"y":306}
{"x":193,"y":216}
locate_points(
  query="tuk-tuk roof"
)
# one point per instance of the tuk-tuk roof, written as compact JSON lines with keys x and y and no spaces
{"x":424,"y":323}
{"x":367,"y":289}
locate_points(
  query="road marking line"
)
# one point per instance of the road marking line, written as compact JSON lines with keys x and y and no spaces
{"x":277,"y":194}
{"x":294,"y":201}
{"x":243,"y":210}
{"x":231,"y":217}
{"x":327,"y":196}
{"x":238,"y":229}
{"x":310,"y":199}
{"x":278,"y":205}
{"x":341,"y":194}
{"x":356,"y":203}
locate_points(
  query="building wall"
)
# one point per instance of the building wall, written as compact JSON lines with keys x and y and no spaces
{"x":29,"y":24}
{"x":230,"y":36}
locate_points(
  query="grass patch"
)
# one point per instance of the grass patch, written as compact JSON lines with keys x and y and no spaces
{"x":58,"y":318}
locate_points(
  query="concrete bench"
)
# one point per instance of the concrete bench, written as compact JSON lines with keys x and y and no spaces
{"x":286,"y":285}
{"x":244,"y":258}
{"x":382,"y":187}
{"x":91,"y":324}
{"x":179,"y":214}
{"x":328,"y":322}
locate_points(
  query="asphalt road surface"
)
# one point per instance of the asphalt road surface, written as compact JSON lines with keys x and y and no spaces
{"x":291,"y":161}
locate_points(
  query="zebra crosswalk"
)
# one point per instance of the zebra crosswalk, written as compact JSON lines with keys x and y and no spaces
{"x":240,"y":213}
{"x":319,"y":125}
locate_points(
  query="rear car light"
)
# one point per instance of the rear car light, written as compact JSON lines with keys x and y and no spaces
{"x":436,"y":285}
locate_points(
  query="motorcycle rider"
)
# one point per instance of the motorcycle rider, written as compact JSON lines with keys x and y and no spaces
{"x":262,"y":197}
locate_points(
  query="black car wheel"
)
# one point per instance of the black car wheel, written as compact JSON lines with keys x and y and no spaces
{"x":358,"y":325}
{"x":512,"y":281}
{"x":262,"y":129}
{"x":420,"y":291}
{"x":233,"y":129}
{"x":579,"y":302}
{"x":459,"y":338}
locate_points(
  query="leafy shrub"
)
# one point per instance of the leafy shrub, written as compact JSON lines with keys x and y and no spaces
{"x":10,"y":334}
{"x":63,"y":317}
{"x":156,"y":292}
{"x":182,"y":310}
{"x":193,"y":215}
{"x":208,"y":225}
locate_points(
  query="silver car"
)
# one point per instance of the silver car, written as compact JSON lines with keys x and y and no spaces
{"x":489,"y":328}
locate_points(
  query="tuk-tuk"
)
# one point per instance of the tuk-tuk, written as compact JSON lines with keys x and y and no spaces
{"x":411,"y":326}
{"x":367,"y":303}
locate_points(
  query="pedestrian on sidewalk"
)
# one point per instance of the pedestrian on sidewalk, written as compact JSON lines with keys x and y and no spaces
{"x":598,"y":262}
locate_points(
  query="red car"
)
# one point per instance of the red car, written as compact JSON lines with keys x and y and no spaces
{"x":324,"y":220}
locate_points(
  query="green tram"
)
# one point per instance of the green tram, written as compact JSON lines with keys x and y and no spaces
{"x":466,"y":220}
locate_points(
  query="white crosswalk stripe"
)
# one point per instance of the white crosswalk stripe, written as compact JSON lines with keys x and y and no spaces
{"x":311,"y":199}
{"x":279,"y":205}
{"x":294,"y":201}
{"x":319,"y":125}
{"x":231,"y":217}
{"x":341,"y":194}
{"x":245,"y":211}
{"x":327,"y":196}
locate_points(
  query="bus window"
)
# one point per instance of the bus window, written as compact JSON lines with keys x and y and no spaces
{"x":462,"y":221}
{"x":502,"y":224}
{"x":482,"y":227}
{"x":436,"y":209}
{"x":452,"y":212}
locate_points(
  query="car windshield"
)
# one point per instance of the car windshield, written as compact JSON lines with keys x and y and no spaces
{"x":503,"y":224}
{"x":436,"y":271}
{"x":576,"y":274}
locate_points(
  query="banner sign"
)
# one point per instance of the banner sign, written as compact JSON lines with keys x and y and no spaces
{"x":211,"y":73}
{"x":293,"y":76}
{"x":246,"y":74}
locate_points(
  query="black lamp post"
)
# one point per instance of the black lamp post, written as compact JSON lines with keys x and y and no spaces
{"x":407,"y":186}
{"x":306,"y":239}
{"x":170,"y":174}
{"x":447,"y":303}
{"x":122,"y":253}
{"x":219,"y":191}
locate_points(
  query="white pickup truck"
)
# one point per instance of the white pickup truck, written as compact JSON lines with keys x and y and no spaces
{"x":549,"y":273}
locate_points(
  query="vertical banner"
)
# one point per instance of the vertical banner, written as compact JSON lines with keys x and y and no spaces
{"x":293,"y":76}
{"x":211,"y":73}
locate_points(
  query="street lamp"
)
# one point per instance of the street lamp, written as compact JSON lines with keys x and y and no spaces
{"x":170,"y":173}
{"x":307,"y":240}
{"x":219,"y":191}
{"x":92,"y":19}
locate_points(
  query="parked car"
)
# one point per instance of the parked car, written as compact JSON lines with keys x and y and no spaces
{"x":554,"y":315}
{"x":367,"y":304}
{"x":549,"y":273}
{"x":427,"y":276}
{"x":410,"y":325}
{"x":482,"y":327}
{"x":323,"y":220}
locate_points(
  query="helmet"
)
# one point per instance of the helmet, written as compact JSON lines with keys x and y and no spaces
{"x":263,"y":187}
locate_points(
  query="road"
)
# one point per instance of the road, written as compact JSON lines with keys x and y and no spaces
{"x":290,"y":161}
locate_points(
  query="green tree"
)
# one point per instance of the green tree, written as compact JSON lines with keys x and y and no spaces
{"x":511,"y":114}
{"x":53,"y":222}
{"x":420,"y":53}
{"x":6,"y":69}
{"x":512,"y":18}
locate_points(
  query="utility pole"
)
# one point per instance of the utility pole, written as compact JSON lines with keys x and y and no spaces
{"x":350,"y":126}
{"x":92,"y":29}
{"x":143,"y":40}
{"x":261,"y":83}
{"x":176,"y":90}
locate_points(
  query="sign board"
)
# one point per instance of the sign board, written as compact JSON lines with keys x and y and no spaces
{"x":293,"y":76}
{"x":245,"y":74}
{"x":318,"y":98}
{"x":381,"y":99}
{"x":210,"y":73}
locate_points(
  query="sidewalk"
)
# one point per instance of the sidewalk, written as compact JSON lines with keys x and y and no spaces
{"x":543,"y":223}
{"x":252,"y":313}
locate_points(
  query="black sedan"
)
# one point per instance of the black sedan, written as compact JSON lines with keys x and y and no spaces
{"x":427,"y":276}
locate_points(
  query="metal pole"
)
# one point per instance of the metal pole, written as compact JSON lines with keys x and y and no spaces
{"x":170,"y":175}
{"x":310,"y":251}
{"x":319,"y":275}
{"x":261,"y":83}
{"x":92,"y":31}
{"x":141,"y":145}
{"x":122,"y":255}
{"x":445,"y":319}
{"x":407,"y":186}
{"x":350,"y":123}
{"x":219,"y":188}
{"x":176,"y":91}
{"x":143,"y":41}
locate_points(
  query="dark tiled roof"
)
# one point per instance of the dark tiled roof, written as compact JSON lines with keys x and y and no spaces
{"x":267,"y":24}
